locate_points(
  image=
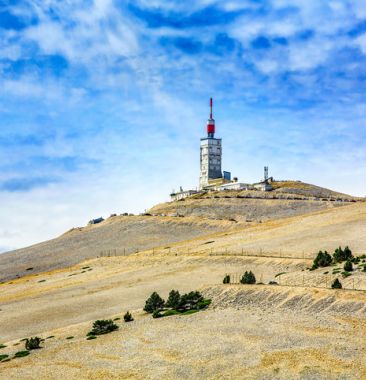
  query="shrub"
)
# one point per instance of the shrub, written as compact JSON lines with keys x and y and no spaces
{"x":90,"y":337}
{"x":3,"y":356}
{"x":157,"y":314}
{"x":170,"y":312}
{"x":128,"y":317}
{"x":153,"y":303}
{"x":355,"y":260}
{"x":323,"y":259}
{"x":2,"y":346}
{"x":103,"y":327}
{"x":33,"y":343}
{"x":204,"y":304}
{"x":340,"y":255}
{"x":346,"y":274}
{"x":336,"y":284}
{"x":248,"y":278}
{"x":70,"y":337}
{"x":348,"y":267}
{"x":226,"y":279}
{"x":21,"y":354}
{"x":174,"y":299}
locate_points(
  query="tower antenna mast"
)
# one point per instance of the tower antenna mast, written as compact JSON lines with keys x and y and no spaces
{"x":210,"y":108}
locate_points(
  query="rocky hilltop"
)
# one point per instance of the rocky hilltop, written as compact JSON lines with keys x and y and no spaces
{"x":288,"y":198}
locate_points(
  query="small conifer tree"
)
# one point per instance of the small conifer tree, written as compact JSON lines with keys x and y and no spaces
{"x":336,"y":284}
{"x":154,"y":302}
{"x":248,"y":278}
{"x":226,"y":279}
{"x":33,"y":343}
{"x":348,"y":266}
{"x":128,"y":317}
{"x":173,"y":300}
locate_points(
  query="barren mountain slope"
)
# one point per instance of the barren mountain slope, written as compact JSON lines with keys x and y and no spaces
{"x":126,"y":234}
{"x":204,"y":214}
{"x":69,"y":295}
{"x":267,"y":331}
{"x":248,"y":332}
{"x":297,"y":236}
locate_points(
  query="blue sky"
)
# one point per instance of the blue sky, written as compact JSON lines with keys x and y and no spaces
{"x":102,"y":102}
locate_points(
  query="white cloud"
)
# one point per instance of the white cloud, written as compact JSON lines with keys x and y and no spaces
{"x":85,"y":33}
{"x":360,"y":42}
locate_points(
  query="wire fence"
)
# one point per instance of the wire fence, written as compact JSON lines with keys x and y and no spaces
{"x":212,"y":252}
{"x":258,"y":252}
{"x":305,"y":281}
{"x":117,"y":252}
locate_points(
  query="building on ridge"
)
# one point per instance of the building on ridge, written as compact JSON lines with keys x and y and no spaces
{"x":211,"y":176}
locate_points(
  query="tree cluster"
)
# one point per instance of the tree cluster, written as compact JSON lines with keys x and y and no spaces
{"x":248,"y":278}
{"x":175,"y":302}
{"x":324,"y":259}
{"x":103,"y":326}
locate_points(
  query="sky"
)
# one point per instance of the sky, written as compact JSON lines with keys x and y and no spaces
{"x":103,"y":102}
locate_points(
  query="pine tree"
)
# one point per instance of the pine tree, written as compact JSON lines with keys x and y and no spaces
{"x":173,"y":299}
{"x":248,"y":278}
{"x":153,"y":303}
{"x":336,"y":284}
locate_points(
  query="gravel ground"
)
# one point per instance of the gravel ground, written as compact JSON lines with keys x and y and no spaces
{"x":213,"y":344}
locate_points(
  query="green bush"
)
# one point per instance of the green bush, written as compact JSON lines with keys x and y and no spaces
{"x":226,"y":279}
{"x":90,"y":337}
{"x":128,"y":317}
{"x":21,"y":354}
{"x":204,"y":304}
{"x":340,"y":255}
{"x":2,"y":346}
{"x":171,"y":312}
{"x":70,"y":337}
{"x":248,"y":278}
{"x":33,"y":343}
{"x":323,"y":259}
{"x":336,"y":284}
{"x":157,"y":314}
{"x":348,"y":267}
{"x":346,"y":274}
{"x":174,"y":299}
{"x":3,"y":356}
{"x":153,"y":303}
{"x":103,"y":327}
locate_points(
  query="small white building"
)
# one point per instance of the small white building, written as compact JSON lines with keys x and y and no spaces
{"x":182,"y":195}
{"x":263,"y":186}
{"x":234,"y":186}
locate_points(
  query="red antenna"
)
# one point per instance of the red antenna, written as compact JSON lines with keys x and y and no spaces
{"x":210,"y":108}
